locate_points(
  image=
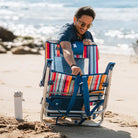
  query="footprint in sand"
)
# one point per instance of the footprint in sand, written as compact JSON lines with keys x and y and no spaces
{"x":119,"y":100}
{"x":122,"y":120}
{"x":2,"y":83}
{"x":28,"y":86}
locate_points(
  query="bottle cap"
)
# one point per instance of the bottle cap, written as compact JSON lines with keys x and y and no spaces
{"x":18,"y":94}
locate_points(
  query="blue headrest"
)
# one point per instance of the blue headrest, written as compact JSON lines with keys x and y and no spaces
{"x":77,"y":48}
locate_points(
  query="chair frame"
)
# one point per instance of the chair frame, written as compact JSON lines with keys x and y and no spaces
{"x":97,"y":112}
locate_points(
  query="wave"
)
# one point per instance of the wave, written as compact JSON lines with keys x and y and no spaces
{"x":25,"y":4}
{"x":40,"y":11}
{"x":118,"y":14}
{"x":120,"y":34}
{"x":60,"y":11}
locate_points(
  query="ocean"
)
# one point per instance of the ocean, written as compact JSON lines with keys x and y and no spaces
{"x":115,"y":28}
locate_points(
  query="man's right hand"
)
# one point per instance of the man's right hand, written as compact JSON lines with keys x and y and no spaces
{"x":76,"y":70}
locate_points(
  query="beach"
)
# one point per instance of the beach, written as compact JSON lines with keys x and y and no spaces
{"x":114,"y":31}
{"x":23,"y":73}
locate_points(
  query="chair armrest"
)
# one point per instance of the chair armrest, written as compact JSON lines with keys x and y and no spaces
{"x":109,"y":67}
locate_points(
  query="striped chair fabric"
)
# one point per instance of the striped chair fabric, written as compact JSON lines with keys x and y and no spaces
{"x":63,"y":84}
{"x":52,"y":49}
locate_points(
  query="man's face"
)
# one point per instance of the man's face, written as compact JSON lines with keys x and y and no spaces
{"x":83,"y":24}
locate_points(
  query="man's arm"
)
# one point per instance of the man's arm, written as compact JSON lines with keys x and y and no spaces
{"x":69,"y":57}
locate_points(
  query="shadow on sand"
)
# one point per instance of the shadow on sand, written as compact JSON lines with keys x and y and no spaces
{"x":91,"y":132}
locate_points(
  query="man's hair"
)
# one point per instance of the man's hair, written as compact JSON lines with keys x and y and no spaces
{"x":86,"y":10}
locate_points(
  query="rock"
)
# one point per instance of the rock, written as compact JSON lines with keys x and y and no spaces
{"x":29,"y":41}
{"x":24,"y":50}
{"x":38,"y":43}
{"x":6,"y":35}
{"x":19,"y":44}
{"x":6,"y":45}
{"x":2,"y":49}
{"x":28,"y":37}
{"x":34,"y":51}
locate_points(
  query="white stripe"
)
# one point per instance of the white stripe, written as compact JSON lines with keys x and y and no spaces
{"x":58,"y":83}
{"x":71,"y":86}
{"x":93,"y":82}
{"x":99,"y":80}
{"x":61,"y":83}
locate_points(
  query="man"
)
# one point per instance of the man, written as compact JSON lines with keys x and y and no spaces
{"x":78,"y":31}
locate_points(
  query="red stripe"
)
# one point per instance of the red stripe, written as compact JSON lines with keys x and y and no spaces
{"x":53,"y":79}
{"x":64,"y":81}
{"x":85,"y":51}
{"x":96,"y":82}
{"x":77,"y":56}
{"x":48,"y":50}
{"x":66,"y":84}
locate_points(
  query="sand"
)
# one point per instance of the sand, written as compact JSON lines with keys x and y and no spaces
{"x":23,"y":73}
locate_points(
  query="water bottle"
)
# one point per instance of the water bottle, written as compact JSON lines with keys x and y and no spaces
{"x":18,"y":97}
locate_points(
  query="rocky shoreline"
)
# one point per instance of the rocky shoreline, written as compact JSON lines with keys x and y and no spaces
{"x":19,"y":44}
{"x":27,"y":44}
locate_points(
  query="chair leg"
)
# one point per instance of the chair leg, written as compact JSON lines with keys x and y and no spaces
{"x":93,"y":123}
{"x":44,"y":94}
{"x":107,"y":90}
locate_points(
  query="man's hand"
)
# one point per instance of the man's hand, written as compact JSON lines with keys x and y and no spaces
{"x":87,"y":41}
{"x":76,"y":70}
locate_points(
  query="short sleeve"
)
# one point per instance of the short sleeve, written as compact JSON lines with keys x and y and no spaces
{"x":88,"y":35}
{"x":66,"y":33}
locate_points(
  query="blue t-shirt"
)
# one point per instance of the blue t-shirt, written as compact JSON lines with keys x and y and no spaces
{"x":69,"y":33}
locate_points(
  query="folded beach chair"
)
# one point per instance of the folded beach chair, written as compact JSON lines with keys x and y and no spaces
{"x":70,"y":99}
